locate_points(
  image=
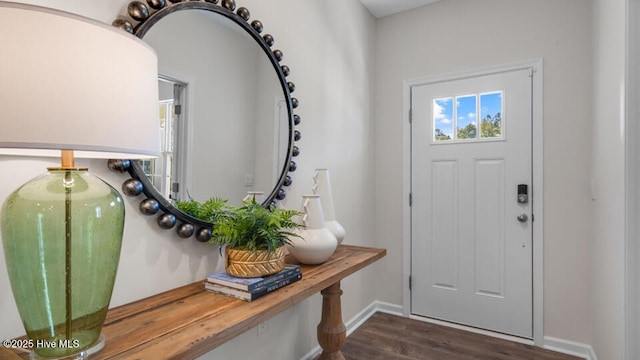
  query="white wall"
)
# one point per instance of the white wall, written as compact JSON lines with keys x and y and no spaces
{"x":458,"y":35}
{"x":330,"y":51}
{"x":608,"y":247}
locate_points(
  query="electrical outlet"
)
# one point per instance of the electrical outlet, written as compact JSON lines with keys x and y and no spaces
{"x":262,"y":328}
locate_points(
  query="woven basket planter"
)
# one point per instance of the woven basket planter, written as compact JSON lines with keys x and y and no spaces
{"x":248,"y":264}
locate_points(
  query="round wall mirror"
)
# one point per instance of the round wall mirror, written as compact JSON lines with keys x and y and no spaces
{"x":225,"y":111}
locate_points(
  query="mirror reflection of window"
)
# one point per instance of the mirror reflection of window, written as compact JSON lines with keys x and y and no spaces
{"x":159,"y":169}
{"x":280,"y":134}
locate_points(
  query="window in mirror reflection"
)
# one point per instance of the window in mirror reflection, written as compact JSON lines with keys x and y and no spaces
{"x":159,"y":170}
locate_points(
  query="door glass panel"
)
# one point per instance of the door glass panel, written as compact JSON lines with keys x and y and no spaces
{"x":461,"y":113}
{"x":443,"y":119}
{"x":466,"y":116}
{"x":491,"y":115}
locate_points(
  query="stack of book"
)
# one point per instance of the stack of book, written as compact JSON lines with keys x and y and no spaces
{"x":252,"y":288}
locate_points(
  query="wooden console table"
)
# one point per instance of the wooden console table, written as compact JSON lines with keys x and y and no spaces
{"x":188,"y":321}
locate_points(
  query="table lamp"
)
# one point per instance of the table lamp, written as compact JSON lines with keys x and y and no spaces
{"x":69,"y":86}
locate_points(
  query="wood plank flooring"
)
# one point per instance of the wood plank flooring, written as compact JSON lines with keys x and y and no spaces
{"x":389,"y":337}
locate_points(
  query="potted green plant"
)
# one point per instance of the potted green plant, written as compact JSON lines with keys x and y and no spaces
{"x":255,"y":236}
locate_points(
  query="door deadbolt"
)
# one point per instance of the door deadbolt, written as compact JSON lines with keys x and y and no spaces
{"x":523,"y":194}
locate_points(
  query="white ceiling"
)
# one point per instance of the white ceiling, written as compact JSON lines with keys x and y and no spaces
{"x":380,"y":8}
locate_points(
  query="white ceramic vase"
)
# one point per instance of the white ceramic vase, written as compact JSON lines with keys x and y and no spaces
{"x":316,"y":243}
{"x":322,"y":187}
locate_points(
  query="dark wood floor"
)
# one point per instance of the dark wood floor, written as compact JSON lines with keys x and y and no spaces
{"x":388,"y":337}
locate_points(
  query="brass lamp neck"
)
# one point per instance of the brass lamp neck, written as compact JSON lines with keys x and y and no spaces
{"x":67,"y":161}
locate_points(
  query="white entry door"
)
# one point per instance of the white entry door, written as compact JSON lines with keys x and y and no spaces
{"x":471,"y":247}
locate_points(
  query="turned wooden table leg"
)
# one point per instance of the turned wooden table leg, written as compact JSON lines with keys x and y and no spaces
{"x":331,"y":331}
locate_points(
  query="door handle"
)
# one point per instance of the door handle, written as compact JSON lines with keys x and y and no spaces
{"x":522,"y":217}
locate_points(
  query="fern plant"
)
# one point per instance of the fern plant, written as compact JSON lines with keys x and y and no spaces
{"x":250,"y":227}
{"x":209,"y":211}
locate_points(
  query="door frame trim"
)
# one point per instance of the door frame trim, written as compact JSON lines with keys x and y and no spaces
{"x":632,"y":178}
{"x":537,"y":188}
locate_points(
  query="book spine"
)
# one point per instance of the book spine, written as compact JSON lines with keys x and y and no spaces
{"x":231,"y":284}
{"x":217,"y":291}
{"x":251,"y":287}
{"x":273,"y":279}
{"x":249,"y":296}
{"x":274,"y":286}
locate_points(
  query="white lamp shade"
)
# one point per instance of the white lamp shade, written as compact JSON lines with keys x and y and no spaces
{"x":72,"y":83}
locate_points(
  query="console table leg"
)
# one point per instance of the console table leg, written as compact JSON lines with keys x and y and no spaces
{"x":332,"y":333}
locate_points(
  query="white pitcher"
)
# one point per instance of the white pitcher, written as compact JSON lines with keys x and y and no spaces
{"x":316,"y":243}
{"x":322,"y":187}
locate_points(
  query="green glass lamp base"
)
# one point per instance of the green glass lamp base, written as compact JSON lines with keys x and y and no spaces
{"x":62,"y":234}
{"x":82,"y":355}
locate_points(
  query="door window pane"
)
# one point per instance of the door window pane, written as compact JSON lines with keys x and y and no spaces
{"x":491,"y":115}
{"x":443,"y":119}
{"x":466,"y":116}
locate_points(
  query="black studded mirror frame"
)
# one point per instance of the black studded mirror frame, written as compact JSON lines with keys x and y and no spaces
{"x":141,"y":17}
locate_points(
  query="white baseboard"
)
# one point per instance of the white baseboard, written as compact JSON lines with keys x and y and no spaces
{"x":555,"y":344}
{"x":376,"y":306}
{"x":570,"y":348}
